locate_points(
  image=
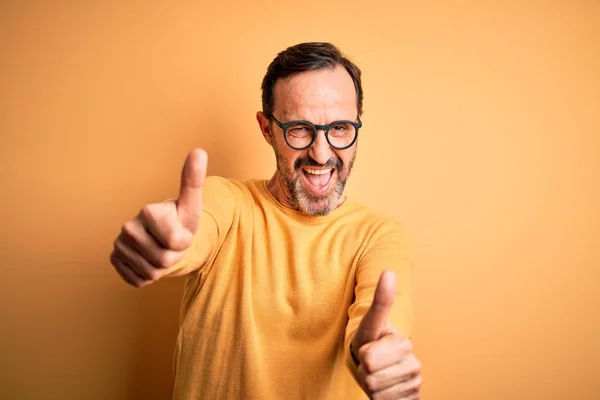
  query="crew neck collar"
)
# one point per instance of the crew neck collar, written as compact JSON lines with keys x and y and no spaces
{"x":263,"y":184}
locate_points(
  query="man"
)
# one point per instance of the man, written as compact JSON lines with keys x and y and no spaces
{"x":292,"y":290}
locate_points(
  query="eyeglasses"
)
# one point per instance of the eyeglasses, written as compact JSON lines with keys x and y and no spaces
{"x":300,"y":135}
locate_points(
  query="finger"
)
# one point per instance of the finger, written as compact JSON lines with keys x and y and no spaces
{"x":126,"y":273}
{"x":410,"y":389}
{"x":129,"y":257}
{"x":374,"y":322}
{"x":392,"y":395}
{"x":150,"y":253}
{"x":158,"y":229}
{"x":390,"y":376}
{"x":189,"y":203}
{"x":385,"y":352}
{"x":415,"y":395}
{"x":140,"y":264}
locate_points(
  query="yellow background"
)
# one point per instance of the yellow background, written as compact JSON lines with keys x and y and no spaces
{"x":481,"y":132}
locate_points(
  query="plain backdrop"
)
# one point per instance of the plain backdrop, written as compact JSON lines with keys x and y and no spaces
{"x":481,"y":134}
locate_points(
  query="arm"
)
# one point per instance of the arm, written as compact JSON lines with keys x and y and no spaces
{"x":216,"y":219}
{"x":176,"y":237}
{"x":379,"y":353}
{"x":388,"y":250}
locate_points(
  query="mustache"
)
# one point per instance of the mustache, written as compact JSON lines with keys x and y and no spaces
{"x":309,"y":162}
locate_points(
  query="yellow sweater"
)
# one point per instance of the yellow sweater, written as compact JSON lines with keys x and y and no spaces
{"x":272,"y":297}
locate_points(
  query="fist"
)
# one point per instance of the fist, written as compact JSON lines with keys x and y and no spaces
{"x":388,"y":368}
{"x":158,"y":236}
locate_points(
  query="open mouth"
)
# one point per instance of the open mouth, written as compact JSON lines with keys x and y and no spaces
{"x":317,"y":180}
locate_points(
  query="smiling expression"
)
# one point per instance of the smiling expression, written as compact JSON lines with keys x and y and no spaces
{"x":311,"y":181}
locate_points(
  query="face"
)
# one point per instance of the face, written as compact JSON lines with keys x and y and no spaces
{"x":312,"y":181}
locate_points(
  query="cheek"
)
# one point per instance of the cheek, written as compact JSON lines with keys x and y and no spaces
{"x":346,"y":158}
{"x":286,"y":157}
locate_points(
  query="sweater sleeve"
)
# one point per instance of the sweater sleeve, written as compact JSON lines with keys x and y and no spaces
{"x":218,"y":210}
{"x":387,"y":249}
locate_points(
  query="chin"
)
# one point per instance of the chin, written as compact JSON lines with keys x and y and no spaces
{"x":315,"y":210}
{"x":312,"y":205}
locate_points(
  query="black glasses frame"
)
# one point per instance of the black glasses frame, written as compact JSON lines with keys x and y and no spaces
{"x":316,"y":129}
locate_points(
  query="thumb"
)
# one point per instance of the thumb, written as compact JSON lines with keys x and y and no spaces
{"x":189,"y":203}
{"x":375,"y":321}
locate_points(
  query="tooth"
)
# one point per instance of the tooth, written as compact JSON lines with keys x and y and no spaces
{"x":318,"y":171}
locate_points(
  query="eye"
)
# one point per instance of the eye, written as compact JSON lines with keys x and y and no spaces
{"x":341,"y":129}
{"x":299,"y":130}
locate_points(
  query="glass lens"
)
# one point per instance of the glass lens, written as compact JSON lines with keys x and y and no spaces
{"x":341,"y":134}
{"x":299,"y":135}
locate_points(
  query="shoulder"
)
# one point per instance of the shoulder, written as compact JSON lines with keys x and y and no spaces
{"x":217,"y":183}
{"x":220,"y":196}
{"x":228,"y":192}
{"x":378,"y":230}
{"x":377,"y":223}
{"x":389,"y":230}
{"x":216,"y":188}
{"x":225,"y":186}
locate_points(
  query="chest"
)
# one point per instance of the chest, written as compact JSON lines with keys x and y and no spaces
{"x":302,"y":277}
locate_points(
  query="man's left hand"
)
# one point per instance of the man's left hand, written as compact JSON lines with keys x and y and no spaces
{"x":388,"y":368}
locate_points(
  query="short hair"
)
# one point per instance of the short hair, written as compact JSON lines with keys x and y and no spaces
{"x":304,"y":57}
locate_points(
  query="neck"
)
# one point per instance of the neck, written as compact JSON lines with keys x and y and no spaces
{"x":279,"y":191}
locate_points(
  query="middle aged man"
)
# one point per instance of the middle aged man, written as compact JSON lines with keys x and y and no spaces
{"x":292,"y":290}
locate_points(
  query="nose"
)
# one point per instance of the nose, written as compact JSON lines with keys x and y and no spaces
{"x":320,"y":150}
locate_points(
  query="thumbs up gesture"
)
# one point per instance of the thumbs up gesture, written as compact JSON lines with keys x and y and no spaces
{"x":157,"y":237}
{"x":388,"y":368}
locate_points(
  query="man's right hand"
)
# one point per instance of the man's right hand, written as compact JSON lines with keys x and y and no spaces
{"x":158,"y":236}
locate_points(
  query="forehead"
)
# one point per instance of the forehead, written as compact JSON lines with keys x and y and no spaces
{"x":315,"y":93}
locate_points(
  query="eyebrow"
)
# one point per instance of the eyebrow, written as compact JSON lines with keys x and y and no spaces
{"x":286,"y":120}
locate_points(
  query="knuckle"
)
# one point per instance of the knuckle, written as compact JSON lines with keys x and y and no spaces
{"x":118,"y":246}
{"x":176,"y":239}
{"x":368,"y":361}
{"x":142,"y":277}
{"x":377,"y":396}
{"x":416,"y":395}
{"x":154,"y":275}
{"x":140,"y":271}
{"x":405,"y":345}
{"x":148,"y":212}
{"x":167,"y":259}
{"x":371,"y":383}
{"x":134,"y":283}
{"x":129,"y":228}
{"x":417,"y":366}
{"x":122,"y":271}
{"x":362,"y":353}
{"x":418,"y":382}
{"x":121,"y":250}
{"x":138,"y":283}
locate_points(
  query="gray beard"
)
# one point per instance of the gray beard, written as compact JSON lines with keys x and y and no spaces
{"x":307,"y":203}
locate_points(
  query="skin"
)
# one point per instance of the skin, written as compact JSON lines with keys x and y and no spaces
{"x":388,"y":367}
{"x":321,"y":97}
{"x":156,"y":239}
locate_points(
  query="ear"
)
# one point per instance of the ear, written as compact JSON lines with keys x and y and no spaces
{"x":265,"y":127}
